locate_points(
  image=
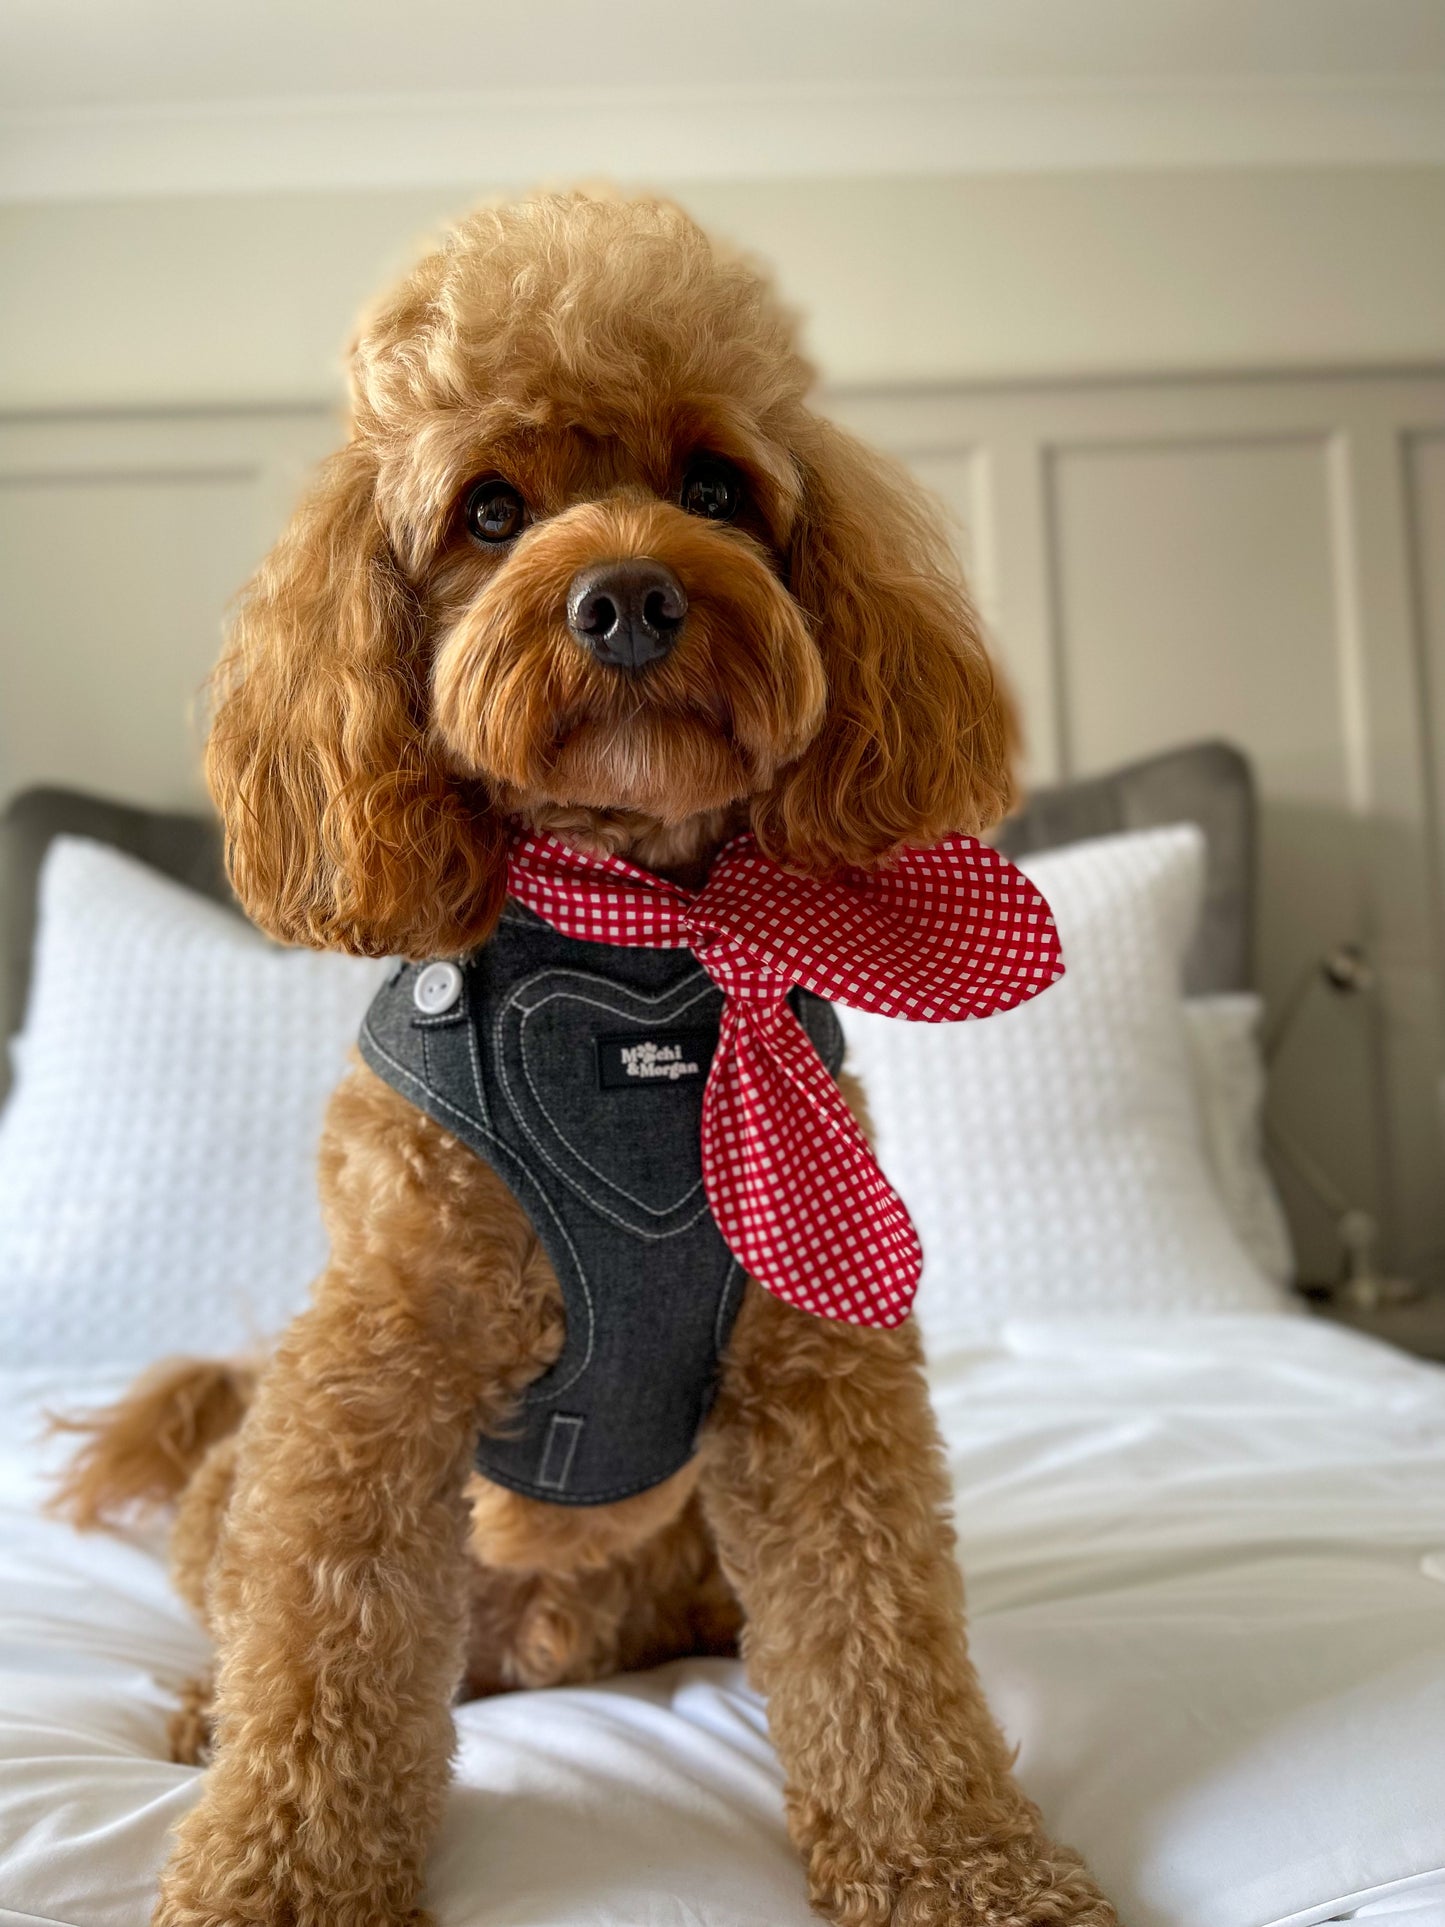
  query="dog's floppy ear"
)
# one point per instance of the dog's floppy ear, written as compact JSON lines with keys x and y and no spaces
{"x":917,"y":737}
{"x":342,"y":829}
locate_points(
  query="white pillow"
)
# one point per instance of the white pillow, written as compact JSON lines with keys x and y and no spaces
{"x":1229,"y":1077}
{"x":1050,"y":1155}
{"x":157,"y":1155}
{"x":157,"y":1182}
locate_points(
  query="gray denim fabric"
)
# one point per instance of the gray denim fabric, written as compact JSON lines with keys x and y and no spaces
{"x":576,"y":1070}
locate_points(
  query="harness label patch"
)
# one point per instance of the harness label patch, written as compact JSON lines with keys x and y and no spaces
{"x":636,"y":1062}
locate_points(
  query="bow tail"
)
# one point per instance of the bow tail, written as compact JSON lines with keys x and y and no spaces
{"x":796,"y":1192}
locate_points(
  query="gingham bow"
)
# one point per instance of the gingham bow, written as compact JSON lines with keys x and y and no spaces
{"x":939,"y":935}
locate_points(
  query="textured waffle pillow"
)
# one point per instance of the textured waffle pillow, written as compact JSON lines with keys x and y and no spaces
{"x":1051,"y":1155}
{"x":157,"y":1154}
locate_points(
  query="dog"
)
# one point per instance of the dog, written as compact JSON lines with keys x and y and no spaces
{"x":569,"y":388}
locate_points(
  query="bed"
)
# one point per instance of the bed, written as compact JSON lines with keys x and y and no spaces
{"x":1204,"y":1534}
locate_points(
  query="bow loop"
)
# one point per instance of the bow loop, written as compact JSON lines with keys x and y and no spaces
{"x":938,"y":936}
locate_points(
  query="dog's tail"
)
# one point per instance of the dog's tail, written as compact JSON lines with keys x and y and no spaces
{"x":140,"y":1453}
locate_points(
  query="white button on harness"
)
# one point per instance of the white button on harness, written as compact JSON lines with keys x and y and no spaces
{"x":436,"y":989}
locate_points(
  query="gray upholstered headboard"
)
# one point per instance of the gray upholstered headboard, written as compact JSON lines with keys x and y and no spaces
{"x":185,"y":847}
{"x":1207,"y":783}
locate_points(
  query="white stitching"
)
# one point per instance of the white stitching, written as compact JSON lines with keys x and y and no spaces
{"x":411,"y":1078}
{"x":474,"y":1052}
{"x":623,"y":1224}
{"x":719,"y":1336}
{"x":572,"y":1425}
{"x":608,"y":1011}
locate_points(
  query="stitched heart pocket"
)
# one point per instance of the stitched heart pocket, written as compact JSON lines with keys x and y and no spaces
{"x":607,"y":1083}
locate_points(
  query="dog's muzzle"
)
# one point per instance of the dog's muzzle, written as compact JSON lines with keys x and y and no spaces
{"x":627,"y":614}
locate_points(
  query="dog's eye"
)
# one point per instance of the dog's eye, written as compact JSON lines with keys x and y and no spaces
{"x":712,"y":489}
{"x":495,"y":512}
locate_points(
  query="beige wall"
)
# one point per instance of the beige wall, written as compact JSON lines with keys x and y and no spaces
{"x":239,"y":299}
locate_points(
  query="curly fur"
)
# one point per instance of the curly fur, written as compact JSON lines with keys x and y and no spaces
{"x":391,"y":696}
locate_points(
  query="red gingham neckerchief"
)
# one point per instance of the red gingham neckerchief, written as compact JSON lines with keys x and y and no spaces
{"x":939,"y":935}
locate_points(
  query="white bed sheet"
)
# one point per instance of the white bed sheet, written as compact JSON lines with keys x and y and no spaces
{"x":1206,"y":1562}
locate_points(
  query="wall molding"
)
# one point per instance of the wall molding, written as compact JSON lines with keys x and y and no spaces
{"x":723,"y":134}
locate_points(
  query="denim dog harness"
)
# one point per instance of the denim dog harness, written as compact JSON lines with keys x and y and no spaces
{"x":576,"y":1070}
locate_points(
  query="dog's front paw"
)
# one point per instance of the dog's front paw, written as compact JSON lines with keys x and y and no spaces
{"x":239,"y":1869}
{"x":1019,"y":1891}
{"x":1015,"y":1883}
{"x":179,"y":1906}
{"x":179,"y":1912}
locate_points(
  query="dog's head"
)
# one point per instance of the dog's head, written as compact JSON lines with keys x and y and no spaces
{"x":587,"y":557}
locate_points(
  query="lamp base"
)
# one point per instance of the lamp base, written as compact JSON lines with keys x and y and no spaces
{"x":1417,"y":1327}
{"x":1363,"y":1287}
{"x":1369,"y":1291}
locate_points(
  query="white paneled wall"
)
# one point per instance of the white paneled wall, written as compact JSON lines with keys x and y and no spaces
{"x":1160,"y":560}
{"x":122,"y":540}
{"x":1265,"y":561}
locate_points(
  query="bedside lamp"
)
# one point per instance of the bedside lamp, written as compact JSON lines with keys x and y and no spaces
{"x":1345,"y":971}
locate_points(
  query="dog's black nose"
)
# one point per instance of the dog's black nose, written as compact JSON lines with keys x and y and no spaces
{"x":627,"y":613}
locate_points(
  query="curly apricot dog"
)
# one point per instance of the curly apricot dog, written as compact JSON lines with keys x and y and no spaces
{"x":569,"y":382}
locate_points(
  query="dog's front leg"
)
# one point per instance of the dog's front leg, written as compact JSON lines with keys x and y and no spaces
{"x":825,"y":1487}
{"x":336,"y":1591}
{"x":337,"y":1604}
